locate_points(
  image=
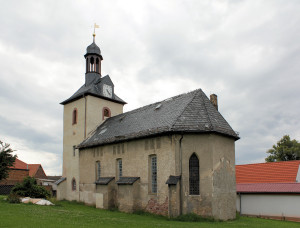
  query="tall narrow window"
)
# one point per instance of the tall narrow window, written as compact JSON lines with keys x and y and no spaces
{"x":119,"y":168}
{"x":98,"y":170}
{"x":194,"y":175}
{"x":74,"y":150}
{"x":74,"y":116}
{"x":73,"y":184}
{"x":153,"y":174}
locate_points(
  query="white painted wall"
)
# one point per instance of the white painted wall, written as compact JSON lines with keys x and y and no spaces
{"x":272,"y":205}
{"x":298,"y":175}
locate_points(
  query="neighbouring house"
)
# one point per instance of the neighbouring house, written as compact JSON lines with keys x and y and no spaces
{"x":18,"y":172}
{"x":269,"y":189}
{"x":172,"y":157}
{"x":50,"y":183}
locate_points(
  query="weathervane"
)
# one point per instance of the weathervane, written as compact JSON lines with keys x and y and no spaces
{"x":94,"y":34}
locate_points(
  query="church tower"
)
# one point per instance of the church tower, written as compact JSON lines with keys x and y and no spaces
{"x":88,"y":107}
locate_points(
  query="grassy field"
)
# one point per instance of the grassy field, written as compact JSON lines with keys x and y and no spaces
{"x":70,"y":214}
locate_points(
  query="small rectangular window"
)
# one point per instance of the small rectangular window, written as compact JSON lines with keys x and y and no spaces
{"x":74,"y":150}
{"x":153,"y":174}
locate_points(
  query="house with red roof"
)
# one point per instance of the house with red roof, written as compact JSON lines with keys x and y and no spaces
{"x":269,"y":189}
{"x":18,"y":172}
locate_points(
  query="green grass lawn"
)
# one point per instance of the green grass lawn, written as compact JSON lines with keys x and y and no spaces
{"x":70,"y":214}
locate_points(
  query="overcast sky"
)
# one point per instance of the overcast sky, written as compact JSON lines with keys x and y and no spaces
{"x":247,"y":52}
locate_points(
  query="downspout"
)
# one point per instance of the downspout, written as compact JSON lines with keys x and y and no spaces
{"x":181,"y":190}
{"x":84,"y":116}
{"x":240,"y":203}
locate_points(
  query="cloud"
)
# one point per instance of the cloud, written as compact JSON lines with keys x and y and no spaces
{"x":247,"y":52}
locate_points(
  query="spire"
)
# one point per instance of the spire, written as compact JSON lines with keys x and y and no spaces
{"x":93,"y":57}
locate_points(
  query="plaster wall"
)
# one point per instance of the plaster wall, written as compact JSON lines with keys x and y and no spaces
{"x":94,"y":110}
{"x":217,"y":176}
{"x":89,"y":116}
{"x":135,"y":157}
{"x":270,"y":205}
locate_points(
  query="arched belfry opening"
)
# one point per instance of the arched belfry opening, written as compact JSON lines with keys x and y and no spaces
{"x":93,"y":58}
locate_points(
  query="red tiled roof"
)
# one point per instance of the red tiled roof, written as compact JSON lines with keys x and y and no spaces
{"x":270,"y":172}
{"x":268,"y":188}
{"x":19,"y":164}
{"x":33,"y":168}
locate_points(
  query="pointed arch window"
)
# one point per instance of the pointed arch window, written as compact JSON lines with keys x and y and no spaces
{"x":73,"y":184}
{"x":194,"y":175}
{"x":106,"y":113}
{"x":74,"y":116}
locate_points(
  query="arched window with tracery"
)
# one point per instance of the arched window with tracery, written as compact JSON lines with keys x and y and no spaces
{"x":106,"y":113}
{"x":73,"y":184}
{"x":74,"y":116}
{"x":194,"y":174}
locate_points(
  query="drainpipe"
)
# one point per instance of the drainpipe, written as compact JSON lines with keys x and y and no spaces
{"x":240,"y":203}
{"x":181,"y":190}
{"x":84,"y":116}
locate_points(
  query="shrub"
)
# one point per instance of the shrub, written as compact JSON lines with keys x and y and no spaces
{"x":29,"y":188}
{"x":13,"y":198}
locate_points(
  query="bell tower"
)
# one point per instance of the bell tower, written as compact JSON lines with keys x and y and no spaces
{"x":88,"y":107}
{"x":93,"y":58}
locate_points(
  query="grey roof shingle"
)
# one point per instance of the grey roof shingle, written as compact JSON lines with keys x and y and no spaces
{"x":173,"y":180}
{"x":104,"y":180}
{"x":93,"y":86}
{"x":127,"y":180}
{"x":189,"y":112}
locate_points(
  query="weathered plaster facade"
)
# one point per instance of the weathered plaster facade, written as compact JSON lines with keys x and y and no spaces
{"x":217,"y":175}
{"x":89,"y":115}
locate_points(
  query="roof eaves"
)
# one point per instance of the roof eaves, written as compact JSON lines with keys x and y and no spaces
{"x":81,"y":95}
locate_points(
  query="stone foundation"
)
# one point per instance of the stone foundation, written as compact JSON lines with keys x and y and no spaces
{"x":156,"y":208}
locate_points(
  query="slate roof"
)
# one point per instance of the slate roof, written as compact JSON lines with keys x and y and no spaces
{"x":93,"y":49}
{"x":269,"y":172}
{"x":104,"y":180}
{"x":173,"y":180}
{"x":94,"y":88}
{"x":189,"y":112}
{"x":60,"y":180}
{"x":127,"y":180}
{"x":268,"y":188}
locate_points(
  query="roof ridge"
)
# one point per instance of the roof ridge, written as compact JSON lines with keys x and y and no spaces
{"x":175,"y":121}
{"x":138,"y":109}
{"x":298,"y":161}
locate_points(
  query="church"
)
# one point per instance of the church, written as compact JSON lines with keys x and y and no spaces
{"x":172,"y":157}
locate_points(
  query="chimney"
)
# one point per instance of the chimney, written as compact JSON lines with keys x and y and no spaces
{"x":214,"y":100}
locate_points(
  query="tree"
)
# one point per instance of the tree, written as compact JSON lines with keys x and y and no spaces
{"x":285,"y":150}
{"x":6,"y":159}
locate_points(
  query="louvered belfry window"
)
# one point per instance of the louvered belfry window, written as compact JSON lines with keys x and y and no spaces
{"x":194,"y":175}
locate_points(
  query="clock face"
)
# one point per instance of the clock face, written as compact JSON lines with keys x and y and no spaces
{"x":107,"y":91}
